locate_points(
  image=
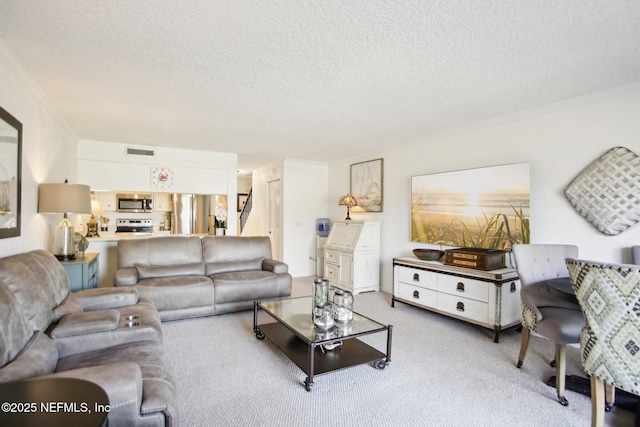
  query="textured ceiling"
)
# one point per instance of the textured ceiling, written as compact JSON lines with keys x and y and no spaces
{"x":312,"y":79}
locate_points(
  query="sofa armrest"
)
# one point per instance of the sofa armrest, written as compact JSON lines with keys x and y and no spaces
{"x":85,"y":323}
{"x":121,"y":381}
{"x":275,"y":266}
{"x":125,"y":276}
{"x":105,"y":298}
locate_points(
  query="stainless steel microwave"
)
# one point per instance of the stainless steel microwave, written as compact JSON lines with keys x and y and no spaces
{"x":134,"y":203}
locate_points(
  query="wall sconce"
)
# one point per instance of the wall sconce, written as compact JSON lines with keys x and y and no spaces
{"x":63,"y":199}
{"x":348,"y":201}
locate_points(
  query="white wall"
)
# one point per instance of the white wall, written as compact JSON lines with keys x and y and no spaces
{"x":305,"y":199}
{"x":48,"y":154}
{"x":558,"y":141}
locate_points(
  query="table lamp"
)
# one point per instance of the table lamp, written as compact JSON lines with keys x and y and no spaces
{"x":348,"y":201}
{"x":64,"y":198}
{"x":92,"y":224}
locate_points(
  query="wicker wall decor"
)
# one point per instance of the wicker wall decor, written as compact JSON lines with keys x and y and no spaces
{"x":607,"y":192}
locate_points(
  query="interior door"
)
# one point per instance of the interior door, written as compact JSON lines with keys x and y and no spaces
{"x":274,"y":217}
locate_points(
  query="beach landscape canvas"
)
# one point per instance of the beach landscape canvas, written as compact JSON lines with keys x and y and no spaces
{"x":478,"y":208}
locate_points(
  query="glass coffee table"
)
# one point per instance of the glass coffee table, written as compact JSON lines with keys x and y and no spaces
{"x":289,"y":326}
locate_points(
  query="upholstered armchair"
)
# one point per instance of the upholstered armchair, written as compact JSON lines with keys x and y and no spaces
{"x":543,"y":313}
{"x":609,"y":295}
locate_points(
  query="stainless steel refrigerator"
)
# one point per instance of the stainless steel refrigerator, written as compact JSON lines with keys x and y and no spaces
{"x":190,"y":213}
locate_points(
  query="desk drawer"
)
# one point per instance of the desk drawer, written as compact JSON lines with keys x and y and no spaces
{"x":465,"y":307}
{"x":464,"y":288}
{"x":415,"y":277}
{"x":425,"y":297}
{"x":330,"y":256}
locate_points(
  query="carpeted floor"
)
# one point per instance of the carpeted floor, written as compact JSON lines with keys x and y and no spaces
{"x":443,"y":372}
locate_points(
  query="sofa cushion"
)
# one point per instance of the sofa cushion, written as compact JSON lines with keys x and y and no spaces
{"x":15,"y":330}
{"x":159,"y":251}
{"x":223,"y":254}
{"x":244,"y":286}
{"x":170,"y":293}
{"x":147,"y":272}
{"x":26,"y":276}
{"x":38,"y":358}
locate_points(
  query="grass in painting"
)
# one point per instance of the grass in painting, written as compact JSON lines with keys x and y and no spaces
{"x":496,"y":231}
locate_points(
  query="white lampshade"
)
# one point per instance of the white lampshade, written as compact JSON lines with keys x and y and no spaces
{"x":64,"y":198}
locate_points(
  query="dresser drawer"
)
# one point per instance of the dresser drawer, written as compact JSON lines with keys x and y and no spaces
{"x":330,"y":256}
{"x":464,"y":288}
{"x":425,"y":297}
{"x":465,"y":307}
{"x":421,"y":278}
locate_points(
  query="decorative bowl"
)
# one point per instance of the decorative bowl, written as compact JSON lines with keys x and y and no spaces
{"x":428,"y":254}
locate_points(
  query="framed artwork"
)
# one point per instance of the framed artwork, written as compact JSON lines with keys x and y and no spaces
{"x":367,"y":185}
{"x":10,"y":174}
{"x":478,"y":208}
{"x":242,"y":199}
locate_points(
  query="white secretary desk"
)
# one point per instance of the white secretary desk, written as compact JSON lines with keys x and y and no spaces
{"x":352,"y":256}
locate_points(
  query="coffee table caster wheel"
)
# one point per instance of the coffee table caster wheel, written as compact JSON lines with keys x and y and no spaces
{"x":307,"y":385}
{"x":563,"y":401}
{"x":380,"y":364}
{"x":259,"y":334}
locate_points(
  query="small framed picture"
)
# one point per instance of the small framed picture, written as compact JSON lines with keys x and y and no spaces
{"x":242,"y":199}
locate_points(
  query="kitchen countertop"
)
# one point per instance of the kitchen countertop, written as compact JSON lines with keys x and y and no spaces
{"x":114,"y":237}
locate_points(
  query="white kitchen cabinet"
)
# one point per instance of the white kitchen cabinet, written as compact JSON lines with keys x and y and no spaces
{"x":107,"y":200}
{"x":487,"y":298}
{"x":162,"y":202}
{"x":352,"y":256}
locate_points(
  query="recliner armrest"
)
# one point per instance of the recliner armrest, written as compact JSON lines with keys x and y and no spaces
{"x":126,"y":276}
{"x":275,"y":266}
{"x":105,"y":298}
{"x":85,"y":323}
{"x":121,"y":381}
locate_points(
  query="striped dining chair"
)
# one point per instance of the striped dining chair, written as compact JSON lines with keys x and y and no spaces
{"x":609,"y":295}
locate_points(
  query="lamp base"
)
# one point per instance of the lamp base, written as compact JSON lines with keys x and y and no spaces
{"x":63,"y":247}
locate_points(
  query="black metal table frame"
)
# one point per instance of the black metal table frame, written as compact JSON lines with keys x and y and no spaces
{"x":357,"y":352}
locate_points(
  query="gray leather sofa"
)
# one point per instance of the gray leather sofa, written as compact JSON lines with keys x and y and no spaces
{"x":47,"y":331}
{"x":192,"y":276}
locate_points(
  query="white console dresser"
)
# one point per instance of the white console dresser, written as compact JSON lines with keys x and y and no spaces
{"x":352,"y":256}
{"x":486,"y":298}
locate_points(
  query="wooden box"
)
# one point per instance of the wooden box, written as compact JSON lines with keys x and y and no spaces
{"x":478,"y":258}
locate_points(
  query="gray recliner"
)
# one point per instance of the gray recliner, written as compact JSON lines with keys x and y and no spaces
{"x":553,"y":318}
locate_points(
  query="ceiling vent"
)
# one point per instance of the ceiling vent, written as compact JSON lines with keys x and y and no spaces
{"x":140,"y":152}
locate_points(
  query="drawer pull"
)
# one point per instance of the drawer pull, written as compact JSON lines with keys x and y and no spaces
{"x":416,"y":277}
{"x":416,"y":294}
{"x":460,"y":287}
{"x":460,"y":306}
{"x":513,"y":286}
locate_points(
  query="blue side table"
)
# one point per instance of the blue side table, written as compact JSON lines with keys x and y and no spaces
{"x":83,"y":271}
